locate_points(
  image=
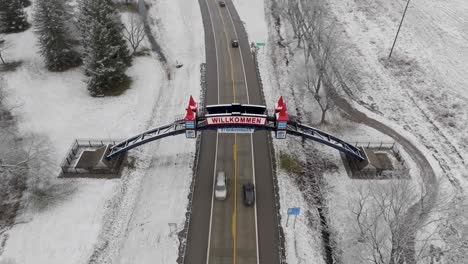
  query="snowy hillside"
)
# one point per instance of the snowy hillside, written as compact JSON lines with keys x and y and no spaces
{"x":79,"y":216}
{"x":420,"y":92}
{"x":423,"y":87}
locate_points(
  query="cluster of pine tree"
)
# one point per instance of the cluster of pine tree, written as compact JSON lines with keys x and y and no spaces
{"x":13,"y":19}
{"x":51,"y":21}
{"x":106,"y":55}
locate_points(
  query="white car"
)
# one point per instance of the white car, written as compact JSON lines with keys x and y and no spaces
{"x":221,"y":186}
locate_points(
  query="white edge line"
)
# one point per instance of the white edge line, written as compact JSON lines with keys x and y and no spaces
{"x":216,"y":46}
{"x":212,"y":202}
{"x":216,"y":50}
{"x":255,"y":205}
{"x":216,"y":151}
{"x":251,"y":135}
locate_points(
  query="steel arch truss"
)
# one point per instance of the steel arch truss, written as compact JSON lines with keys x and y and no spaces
{"x":178,"y":127}
{"x":300,"y":130}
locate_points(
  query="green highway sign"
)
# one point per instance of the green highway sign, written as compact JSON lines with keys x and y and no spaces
{"x":260,"y":44}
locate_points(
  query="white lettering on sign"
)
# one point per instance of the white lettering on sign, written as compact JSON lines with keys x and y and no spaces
{"x":248,"y":120}
{"x":236,"y":130}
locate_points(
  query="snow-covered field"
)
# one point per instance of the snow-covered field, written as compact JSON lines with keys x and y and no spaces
{"x":56,"y":106}
{"x":421,"y":93}
{"x":163,"y":197}
{"x":94,"y":219}
{"x":424,"y":87}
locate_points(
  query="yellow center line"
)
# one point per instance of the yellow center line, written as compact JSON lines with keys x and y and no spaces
{"x":230,"y":56}
{"x":234,"y":213}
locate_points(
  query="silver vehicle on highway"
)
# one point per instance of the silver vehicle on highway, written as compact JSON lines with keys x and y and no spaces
{"x":221,"y":186}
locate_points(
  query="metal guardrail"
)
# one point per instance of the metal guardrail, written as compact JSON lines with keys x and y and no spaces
{"x":67,"y":164}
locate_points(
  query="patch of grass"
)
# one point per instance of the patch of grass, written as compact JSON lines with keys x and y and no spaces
{"x":5,"y":115}
{"x":289,"y":163}
{"x":11,"y":190}
{"x":10,"y":66}
{"x":142,"y":52}
{"x":46,"y":193}
{"x":131,"y":163}
{"x":131,"y":7}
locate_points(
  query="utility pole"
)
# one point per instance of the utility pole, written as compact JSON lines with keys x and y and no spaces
{"x":399,"y":27}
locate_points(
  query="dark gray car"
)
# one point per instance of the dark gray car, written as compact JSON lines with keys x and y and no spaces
{"x":249,"y":194}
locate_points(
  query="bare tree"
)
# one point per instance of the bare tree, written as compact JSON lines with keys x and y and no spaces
{"x":134,"y":32}
{"x":379,"y":216}
{"x":318,"y":77}
{"x":2,"y":93}
{"x":291,"y":10}
{"x":5,"y":110}
{"x":313,"y":81}
{"x":306,"y":18}
{"x":310,"y":21}
{"x":387,"y":225}
{"x":34,"y":152}
{"x":3,"y":47}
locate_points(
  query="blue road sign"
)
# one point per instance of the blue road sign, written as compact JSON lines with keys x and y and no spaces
{"x":294,"y":211}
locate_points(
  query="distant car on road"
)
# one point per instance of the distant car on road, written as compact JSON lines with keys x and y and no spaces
{"x":222,"y":4}
{"x":221,"y":186}
{"x":235,"y":43}
{"x":249,"y":194}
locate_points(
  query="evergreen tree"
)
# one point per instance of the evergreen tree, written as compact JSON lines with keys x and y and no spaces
{"x":85,"y":20}
{"x":13,"y":19}
{"x":106,"y":54}
{"x":25,"y":3}
{"x":56,"y":45}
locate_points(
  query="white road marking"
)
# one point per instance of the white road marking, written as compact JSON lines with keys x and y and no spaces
{"x":216,"y":151}
{"x":242,"y":59}
{"x":212,"y":201}
{"x":251,"y":136}
{"x":255,"y":205}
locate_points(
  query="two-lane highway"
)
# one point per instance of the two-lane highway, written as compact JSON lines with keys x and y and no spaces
{"x":228,"y":231}
{"x":232,"y":230}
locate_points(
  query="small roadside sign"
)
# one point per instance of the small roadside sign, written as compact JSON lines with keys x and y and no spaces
{"x":259,"y":44}
{"x":293,"y":211}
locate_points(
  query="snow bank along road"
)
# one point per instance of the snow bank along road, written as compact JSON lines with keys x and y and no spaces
{"x":227,"y":231}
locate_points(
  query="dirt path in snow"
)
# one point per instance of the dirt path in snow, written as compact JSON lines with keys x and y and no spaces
{"x":155,"y":47}
{"x":359,"y":117}
{"x":427,"y":173}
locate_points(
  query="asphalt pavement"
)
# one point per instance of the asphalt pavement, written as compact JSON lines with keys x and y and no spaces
{"x":228,"y":231}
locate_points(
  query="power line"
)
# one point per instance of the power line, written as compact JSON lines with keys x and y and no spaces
{"x":399,"y":27}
